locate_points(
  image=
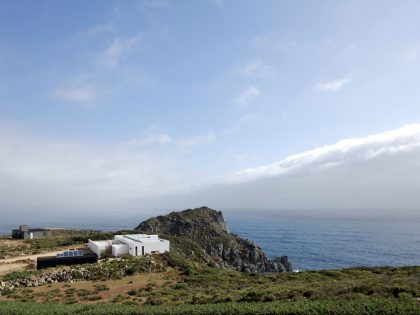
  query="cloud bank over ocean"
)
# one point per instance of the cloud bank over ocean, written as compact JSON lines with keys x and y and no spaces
{"x":42,"y":174}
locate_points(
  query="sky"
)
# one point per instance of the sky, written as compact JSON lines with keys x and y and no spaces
{"x":297,"y":107}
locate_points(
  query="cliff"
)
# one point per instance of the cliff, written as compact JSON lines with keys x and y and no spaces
{"x":207,"y":228}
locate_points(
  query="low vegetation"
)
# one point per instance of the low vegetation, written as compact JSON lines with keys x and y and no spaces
{"x":193,"y":283}
{"x":302,"y":307}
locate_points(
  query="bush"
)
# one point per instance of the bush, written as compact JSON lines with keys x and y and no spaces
{"x":101,"y":287}
{"x":17,"y":275}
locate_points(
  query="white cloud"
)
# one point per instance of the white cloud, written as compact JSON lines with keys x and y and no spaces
{"x":375,"y":176}
{"x":332,"y":86}
{"x":400,"y":140}
{"x":247,"y":95}
{"x":195,"y":141}
{"x":255,"y":68}
{"x":374,"y":172}
{"x":47,"y":174}
{"x":76,"y":94}
{"x":119,"y":50}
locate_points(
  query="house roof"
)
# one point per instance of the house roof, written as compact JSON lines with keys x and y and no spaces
{"x":140,"y":238}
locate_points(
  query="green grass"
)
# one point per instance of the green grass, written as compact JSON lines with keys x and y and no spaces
{"x":200,"y":285}
{"x":18,"y":275}
{"x":302,"y":307}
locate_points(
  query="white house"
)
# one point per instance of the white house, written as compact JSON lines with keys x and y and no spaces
{"x":131,"y":244}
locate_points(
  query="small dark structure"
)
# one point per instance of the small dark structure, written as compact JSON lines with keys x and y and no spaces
{"x":25,"y":233}
{"x":67,"y":258}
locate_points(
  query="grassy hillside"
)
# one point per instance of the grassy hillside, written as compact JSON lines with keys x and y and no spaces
{"x":198,"y":284}
{"x":302,"y":307}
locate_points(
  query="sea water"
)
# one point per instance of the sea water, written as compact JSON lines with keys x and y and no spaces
{"x":314,"y":244}
{"x":310,"y":244}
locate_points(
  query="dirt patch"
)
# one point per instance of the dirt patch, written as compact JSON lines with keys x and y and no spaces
{"x":6,"y":268}
{"x":90,"y":292}
{"x":28,"y":257}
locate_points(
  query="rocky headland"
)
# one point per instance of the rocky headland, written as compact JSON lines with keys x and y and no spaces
{"x":207,"y":229}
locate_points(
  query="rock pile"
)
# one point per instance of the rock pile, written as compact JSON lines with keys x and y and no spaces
{"x":63,"y":275}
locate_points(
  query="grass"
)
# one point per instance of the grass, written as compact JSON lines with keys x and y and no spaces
{"x":208,"y":285}
{"x":18,"y":275}
{"x":374,"y":306}
{"x":202,"y":285}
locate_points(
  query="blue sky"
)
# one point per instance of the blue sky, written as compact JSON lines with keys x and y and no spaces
{"x":195,"y":91}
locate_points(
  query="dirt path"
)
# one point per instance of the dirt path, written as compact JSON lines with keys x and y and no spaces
{"x":6,"y":268}
{"x":31,"y":257}
{"x":20,"y":263}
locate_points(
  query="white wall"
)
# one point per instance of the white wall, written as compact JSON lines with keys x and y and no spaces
{"x":126,"y":245}
{"x":149,"y":247}
{"x":99,"y":247}
{"x":119,"y":249}
{"x":152,"y":244}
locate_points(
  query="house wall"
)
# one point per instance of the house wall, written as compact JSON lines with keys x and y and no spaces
{"x":16,"y":234}
{"x":120,"y":249}
{"x":160,"y":247}
{"x":99,"y":248}
{"x":126,"y":246}
{"x":30,"y":234}
{"x":41,"y":234}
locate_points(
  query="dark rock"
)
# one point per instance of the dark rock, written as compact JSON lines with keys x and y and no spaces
{"x":207,"y":228}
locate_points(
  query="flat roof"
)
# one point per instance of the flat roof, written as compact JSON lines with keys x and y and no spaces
{"x":32,"y":230}
{"x":141,"y":238}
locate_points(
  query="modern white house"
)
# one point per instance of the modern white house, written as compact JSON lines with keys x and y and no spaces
{"x":131,"y":244}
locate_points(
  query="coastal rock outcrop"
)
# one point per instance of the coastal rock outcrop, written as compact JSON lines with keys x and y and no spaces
{"x":208,"y":229}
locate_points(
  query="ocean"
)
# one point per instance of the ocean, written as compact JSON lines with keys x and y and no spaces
{"x":310,"y":244}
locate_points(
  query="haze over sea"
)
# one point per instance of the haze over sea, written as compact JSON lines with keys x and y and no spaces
{"x":309,"y":243}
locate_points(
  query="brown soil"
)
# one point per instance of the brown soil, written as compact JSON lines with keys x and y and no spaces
{"x":60,"y":292}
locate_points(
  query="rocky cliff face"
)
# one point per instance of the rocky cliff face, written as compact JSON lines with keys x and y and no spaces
{"x":208,"y":229}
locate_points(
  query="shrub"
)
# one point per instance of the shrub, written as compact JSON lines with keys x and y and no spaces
{"x":101,"y":287}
